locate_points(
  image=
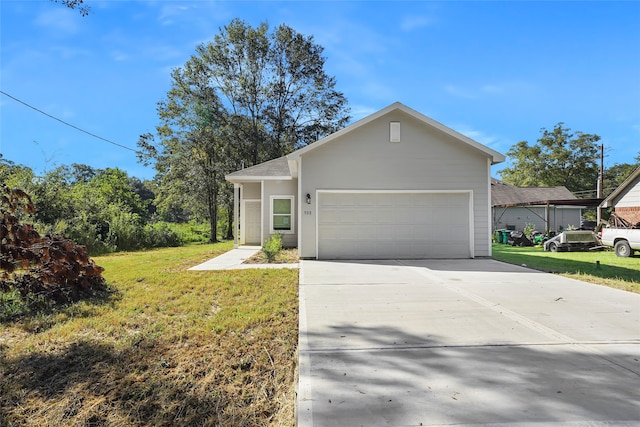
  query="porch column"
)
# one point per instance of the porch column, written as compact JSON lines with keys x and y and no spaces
{"x":236,"y":212}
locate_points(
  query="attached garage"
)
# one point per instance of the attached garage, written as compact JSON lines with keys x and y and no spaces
{"x":379,"y":224}
{"x":393,"y":185}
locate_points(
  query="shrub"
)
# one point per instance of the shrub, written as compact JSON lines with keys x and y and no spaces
{"x":272,"y":247}
{"x":188,"y":232}
{"x":126,"y":232}
{"x":161,"y":236}
{"x":12,"y":304}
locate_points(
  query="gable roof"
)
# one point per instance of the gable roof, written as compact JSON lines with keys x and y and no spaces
{"x":610,"y":200}
{"x":281,"y":168}
{"x":503,"y":194}
{"x":494,"y":155}
{"x":269,"y":170}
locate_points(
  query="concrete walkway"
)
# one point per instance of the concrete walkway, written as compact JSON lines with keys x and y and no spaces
{"x":465,"y":343}
{"x":233,"y":260}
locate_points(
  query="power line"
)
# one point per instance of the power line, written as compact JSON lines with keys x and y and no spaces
{"x":68,"y":124}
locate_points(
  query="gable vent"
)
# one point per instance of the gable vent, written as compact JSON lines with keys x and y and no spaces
{"x":394,"y":131}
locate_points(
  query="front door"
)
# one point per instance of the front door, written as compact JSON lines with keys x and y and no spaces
{"x":252,"y":218}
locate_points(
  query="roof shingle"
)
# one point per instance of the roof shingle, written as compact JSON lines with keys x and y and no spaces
{"x":507,"y":194}
{"x":276,"y":168}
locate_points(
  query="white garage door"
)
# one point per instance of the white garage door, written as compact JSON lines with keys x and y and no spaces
{"x":373,"y":225}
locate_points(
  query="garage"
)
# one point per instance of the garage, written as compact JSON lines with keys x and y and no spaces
{"x":379,"y":224}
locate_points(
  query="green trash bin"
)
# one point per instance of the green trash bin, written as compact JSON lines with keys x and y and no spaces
{"x":505,"y":236}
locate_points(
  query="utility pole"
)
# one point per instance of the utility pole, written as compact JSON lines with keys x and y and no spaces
{"x":600,"y":184}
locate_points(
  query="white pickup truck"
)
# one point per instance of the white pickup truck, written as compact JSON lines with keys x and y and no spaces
{"x":623,"y":240}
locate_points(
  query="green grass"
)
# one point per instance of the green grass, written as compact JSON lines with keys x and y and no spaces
{"x":168,"y":347}
{"x":613,"y":271}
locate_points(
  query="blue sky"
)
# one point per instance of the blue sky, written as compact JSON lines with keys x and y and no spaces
{"x":497,"y":72}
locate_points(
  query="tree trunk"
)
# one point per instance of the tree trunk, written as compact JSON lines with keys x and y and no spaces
{"x":212,"y":205}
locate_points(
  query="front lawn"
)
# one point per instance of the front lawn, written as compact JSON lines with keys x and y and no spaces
{"x":613,"y":271}
{"x":169,"y":347}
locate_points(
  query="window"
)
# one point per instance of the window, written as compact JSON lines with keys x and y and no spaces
{"x":394,"y":131}
{"x":282,"y":214}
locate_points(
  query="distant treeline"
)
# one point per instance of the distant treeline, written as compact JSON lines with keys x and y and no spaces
{"x":106,"y":210}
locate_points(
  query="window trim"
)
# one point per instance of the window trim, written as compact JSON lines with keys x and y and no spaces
{"x":292,"y":214}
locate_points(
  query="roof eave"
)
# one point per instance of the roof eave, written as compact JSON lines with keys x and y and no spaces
{"x":559,"y":202}
{"x":241,"y":179}
{"x":608,"y":201}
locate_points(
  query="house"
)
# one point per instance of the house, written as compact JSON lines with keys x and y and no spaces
{"x":625,"y":200}
{"x":546,"y":208}
{"x":393,"y":185}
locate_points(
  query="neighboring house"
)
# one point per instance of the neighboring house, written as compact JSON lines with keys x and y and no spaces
{"x":625,"y":200}
{"x":395,"y":184}
{"x":547,"y":208}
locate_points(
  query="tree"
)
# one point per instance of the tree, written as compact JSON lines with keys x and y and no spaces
{"x":559,"y":158}
{"x":276,"y":84}
{"x":75,"y":4}
{"x":615,"y":175}
{"x":195,"y":140}
{"x":248,"y":96}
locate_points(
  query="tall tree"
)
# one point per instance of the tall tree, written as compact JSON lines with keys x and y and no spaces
{"x":248,"y":96}
{"x":192,"y":156}
{"x":559,"y":158}
{"x":275,"y":88}
{"x":616,"y":174}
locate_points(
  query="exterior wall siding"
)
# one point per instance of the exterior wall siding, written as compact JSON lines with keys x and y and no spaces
{"x":280,"y":188}
{"x":629,"y":198}
{"x":251,"y":191}
{"x":518,"y":217}
{"x":424,"y":159}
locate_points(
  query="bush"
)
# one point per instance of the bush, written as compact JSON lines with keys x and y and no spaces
{"x":272,"y":247}
{"x":126,"y":232}
{"x":187,"y":232}
{"x":85,"y":232}
{"x":12,"y":304}
{"x":161,"y":236}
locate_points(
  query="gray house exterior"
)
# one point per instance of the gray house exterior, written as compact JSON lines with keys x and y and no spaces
{"x":393,"y":185}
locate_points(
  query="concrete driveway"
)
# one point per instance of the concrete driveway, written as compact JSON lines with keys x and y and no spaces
{"x":463,"y":342}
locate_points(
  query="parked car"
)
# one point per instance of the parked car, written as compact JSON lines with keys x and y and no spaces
{"x":623,"y":240}
{"x":572,"y":240}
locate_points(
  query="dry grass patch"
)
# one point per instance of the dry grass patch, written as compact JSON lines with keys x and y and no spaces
{"x":169,"y":348}
{"x":285,"y":256}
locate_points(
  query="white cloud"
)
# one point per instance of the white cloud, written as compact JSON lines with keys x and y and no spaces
{"x":61,"y":21}
{"x":68,"y":52}
{"x":169,"y":11}
{"x":459,"y":92}
{"x":507,"y":88}
{"x":361,"y":111}
{"x":496,"y":142}
{"x":411,"y":23}
{"x":492,"y":89}
{"x":119,"y":56}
